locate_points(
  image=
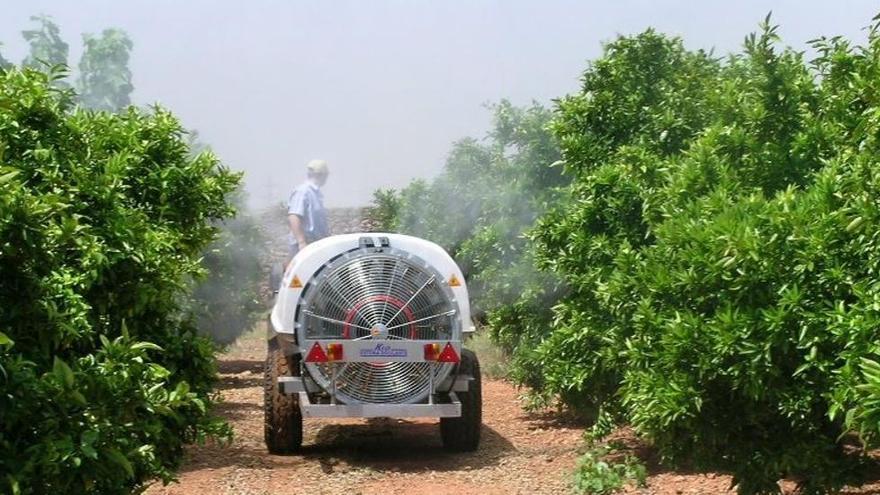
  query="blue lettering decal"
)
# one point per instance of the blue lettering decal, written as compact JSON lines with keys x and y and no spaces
{"x":383,"y":350}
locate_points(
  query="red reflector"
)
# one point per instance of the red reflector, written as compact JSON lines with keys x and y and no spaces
{"x":334,"y":352}
{"x":316,"y":355}
{"x":432,"y":351}
{"x":448,"y":355}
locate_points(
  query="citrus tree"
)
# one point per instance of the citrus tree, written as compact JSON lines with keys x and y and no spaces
{"x":103,"y":219}
{"x":488,"y":195}
{"x":721,"y":240}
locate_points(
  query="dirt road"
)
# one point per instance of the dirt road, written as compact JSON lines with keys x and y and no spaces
{"x":519,"y":453}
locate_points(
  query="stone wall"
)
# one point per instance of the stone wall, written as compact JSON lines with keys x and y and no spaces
{"x":342,"y":221}
{"x":346,"y":220}
{"x":274,"y":224}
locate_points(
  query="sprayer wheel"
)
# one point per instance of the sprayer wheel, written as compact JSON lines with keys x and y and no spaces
{"x":283,"y":422}
{"x":462,"y":434}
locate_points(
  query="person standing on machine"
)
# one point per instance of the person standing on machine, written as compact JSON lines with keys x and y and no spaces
{"x":306,"y":215}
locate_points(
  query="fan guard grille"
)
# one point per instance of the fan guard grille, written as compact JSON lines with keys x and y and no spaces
{"x":394,"y":292}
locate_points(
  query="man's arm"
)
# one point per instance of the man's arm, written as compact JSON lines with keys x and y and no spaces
{"x":296,"y":228}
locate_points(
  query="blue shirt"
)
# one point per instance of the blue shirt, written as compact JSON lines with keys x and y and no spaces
{"x":307,"y":202}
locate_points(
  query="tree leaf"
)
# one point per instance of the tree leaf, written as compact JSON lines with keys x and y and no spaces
{"x":117,"y":457}
{"x":63,"y":372}
{"x":8,"y":176}
{"x":146,"y":345}
{"x":855,"y":224}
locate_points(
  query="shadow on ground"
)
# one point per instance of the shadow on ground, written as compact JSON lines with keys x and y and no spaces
{"x":384,"y":444}
{"x":228,"y":382}
{"x":380,"y":445}
{"x":236,"y":366}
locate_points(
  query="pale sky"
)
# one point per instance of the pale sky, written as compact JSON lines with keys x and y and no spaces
{"x":381,"y":89}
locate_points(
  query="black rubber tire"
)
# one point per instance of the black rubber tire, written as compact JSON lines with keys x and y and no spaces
{"x":462,"y":434}
{"x":283,"y":422}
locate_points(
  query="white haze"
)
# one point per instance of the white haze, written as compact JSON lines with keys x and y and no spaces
{"x":381,"y":89}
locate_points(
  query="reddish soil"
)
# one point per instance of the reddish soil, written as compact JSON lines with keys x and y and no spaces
{"x":520,"y":452}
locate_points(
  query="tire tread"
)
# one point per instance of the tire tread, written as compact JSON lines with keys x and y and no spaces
{"x":462,"y":434}
{"x":283,"y":426}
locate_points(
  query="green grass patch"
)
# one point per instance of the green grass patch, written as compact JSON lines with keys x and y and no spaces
{"x":493,"y":361}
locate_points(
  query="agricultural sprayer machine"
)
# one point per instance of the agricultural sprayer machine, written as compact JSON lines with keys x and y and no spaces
{"x":371,"y":325}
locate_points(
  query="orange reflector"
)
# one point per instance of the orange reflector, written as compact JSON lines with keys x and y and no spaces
{"x":448,"y":355}
{"x":316,"y":355}
{"x":296,"y":283}
{"x":454,"y":282}
{"x":334,"y":352}
{"x":432,"y":352}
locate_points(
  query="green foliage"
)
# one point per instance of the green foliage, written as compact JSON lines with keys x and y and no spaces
{"x":227,"y":302}
{"x":103,"y":219}
{"x":105,"y":81}
{"x":720,"y":240}
{"x":505,"y":178}
{"x":864,"y":417}
{"x":47,"y":49}
{"x":489,"y":193}
{"x":493,"y":361}
{"x":385,"y":210}
{"x":597,"y":474}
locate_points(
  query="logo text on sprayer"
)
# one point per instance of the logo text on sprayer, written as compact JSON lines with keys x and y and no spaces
{"x":383,"y":350}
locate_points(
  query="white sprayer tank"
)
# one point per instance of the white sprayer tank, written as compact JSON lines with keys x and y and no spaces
{"x":380,"y":287}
